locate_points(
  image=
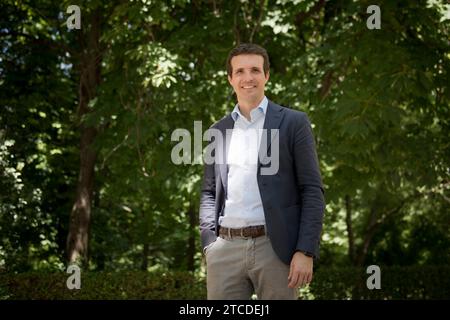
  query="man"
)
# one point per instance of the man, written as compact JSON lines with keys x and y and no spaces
{"x":260,"y":232}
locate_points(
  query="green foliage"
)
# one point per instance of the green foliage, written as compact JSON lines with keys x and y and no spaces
{"x":104,"y":286}
{"x":330,"y":283}
{"x":378,"y":101}
{"x":36,"y":136}
{"x":397,"y":283}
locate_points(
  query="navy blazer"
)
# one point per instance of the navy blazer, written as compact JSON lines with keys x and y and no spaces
{"x":292,"y":199}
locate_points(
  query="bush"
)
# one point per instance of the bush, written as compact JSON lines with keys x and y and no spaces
{"x":416,"y":282}
{"x":103,"y":285}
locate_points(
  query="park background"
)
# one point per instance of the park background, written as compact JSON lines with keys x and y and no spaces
{"x":87,"y":115}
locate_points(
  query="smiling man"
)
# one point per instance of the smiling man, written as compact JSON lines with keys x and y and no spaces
{"x":248,"y":79}
{"x":260,"y":233}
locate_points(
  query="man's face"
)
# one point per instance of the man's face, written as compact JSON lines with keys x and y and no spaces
{"x":248,"y":79}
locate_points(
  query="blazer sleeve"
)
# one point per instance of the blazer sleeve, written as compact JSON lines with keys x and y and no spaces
{"x":207,"y":206}
{"x":310,"y":185}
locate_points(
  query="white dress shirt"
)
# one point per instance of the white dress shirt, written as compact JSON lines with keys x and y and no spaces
{"x":243,"y":206}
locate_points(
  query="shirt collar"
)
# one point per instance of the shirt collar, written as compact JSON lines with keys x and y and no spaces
{"x":262,"y":107}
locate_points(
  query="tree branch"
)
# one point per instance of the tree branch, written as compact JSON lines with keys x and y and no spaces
{"x":374,"y":224}
{"x":258,"y":23}
{"x":348,"y":221}
{"x":57,"y":45}
{"x":235,"y":27}
{"x":302,"y":16}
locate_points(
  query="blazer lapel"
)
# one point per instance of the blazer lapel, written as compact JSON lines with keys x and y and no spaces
{"x":227,"y":125}
{"x":274,"y":115}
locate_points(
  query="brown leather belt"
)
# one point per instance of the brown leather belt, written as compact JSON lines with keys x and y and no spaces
{"x":248,"y":232}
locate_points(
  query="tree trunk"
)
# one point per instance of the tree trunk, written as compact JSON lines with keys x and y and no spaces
{"x":89,"y":68}
{"x":375,"y":221}
{"x":80,"y":217}
{"x":348,"y":220}
{"x":191,"y":240}
{"x":145,"y":252}
{"x":369,"y":232}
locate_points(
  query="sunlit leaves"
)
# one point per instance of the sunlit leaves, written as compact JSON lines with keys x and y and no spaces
{"x":378,"y":102}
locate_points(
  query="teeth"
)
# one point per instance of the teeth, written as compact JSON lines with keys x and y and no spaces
{"x":248,"y":87}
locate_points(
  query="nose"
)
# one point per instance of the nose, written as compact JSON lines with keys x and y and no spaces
{"x":248,"y":77}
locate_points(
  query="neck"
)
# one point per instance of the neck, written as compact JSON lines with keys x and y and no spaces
{"x":247,"y":106}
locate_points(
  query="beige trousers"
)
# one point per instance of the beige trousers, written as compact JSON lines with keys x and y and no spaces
{"x":238,"y":267}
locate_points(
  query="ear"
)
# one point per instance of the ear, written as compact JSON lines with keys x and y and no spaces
{"x":267,"y":76}
{"x":229,"y":80}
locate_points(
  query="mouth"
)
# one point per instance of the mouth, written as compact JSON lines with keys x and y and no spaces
{"x":248,"y":87}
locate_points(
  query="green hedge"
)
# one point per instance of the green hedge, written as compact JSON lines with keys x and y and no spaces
{"x":328,"y":283}
{"x":416,"y":282}
{"x":102,"y":285}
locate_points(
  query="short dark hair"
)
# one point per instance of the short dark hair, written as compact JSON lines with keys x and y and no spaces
{"x":248,"y":48}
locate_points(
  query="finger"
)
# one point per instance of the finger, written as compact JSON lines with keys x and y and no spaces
{"x":302,"y":280}
{"x":293,"y":281}
{"x":290,"y":273}
{"x":310,"y":276}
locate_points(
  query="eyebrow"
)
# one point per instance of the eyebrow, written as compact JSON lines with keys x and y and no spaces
{"x":252,"y":68}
